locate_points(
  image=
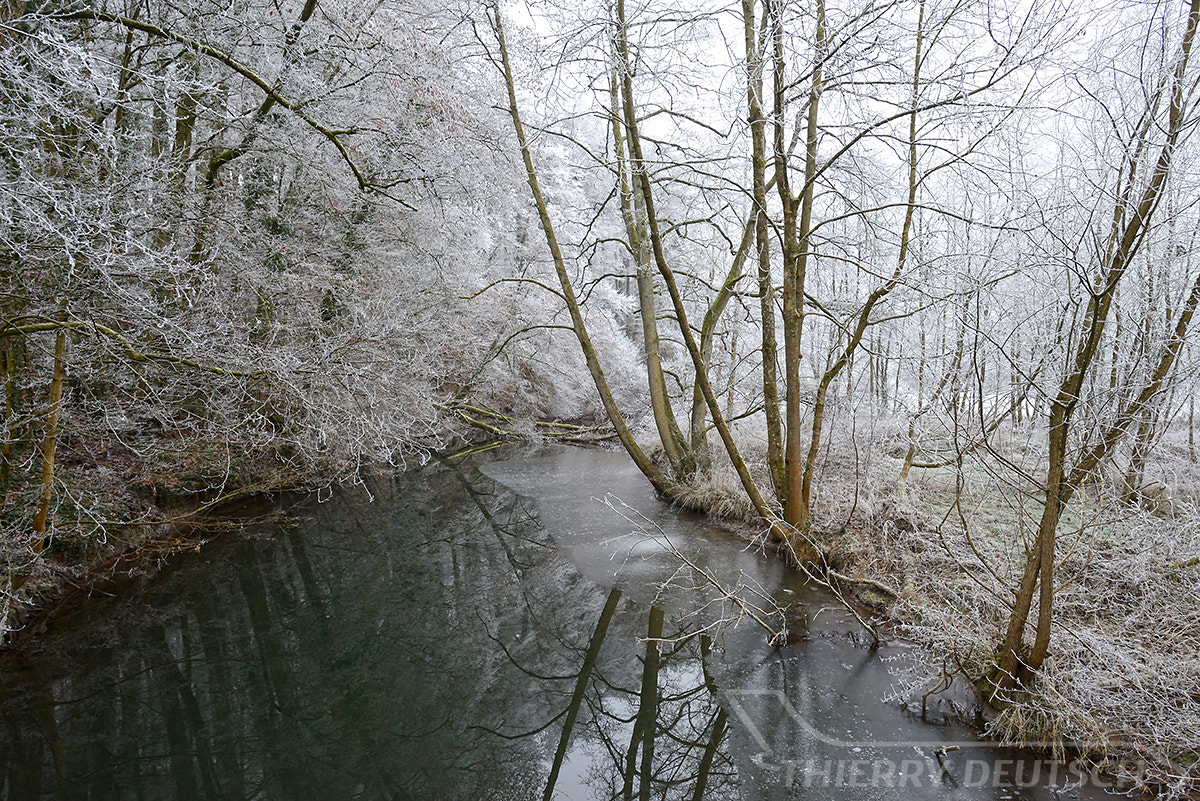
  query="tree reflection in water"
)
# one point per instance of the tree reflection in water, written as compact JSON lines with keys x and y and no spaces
{"x":660,"y":740}
{"x":431,"y":644}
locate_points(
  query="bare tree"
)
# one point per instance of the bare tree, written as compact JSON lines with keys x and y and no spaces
{"x":1151,"y":140}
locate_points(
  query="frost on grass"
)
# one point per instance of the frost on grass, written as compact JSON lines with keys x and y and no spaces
{"x":1122,"y":686}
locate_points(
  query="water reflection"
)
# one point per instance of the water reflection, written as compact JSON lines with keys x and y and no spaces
{"x":439,"y":643}
{"x":623,"y":747}
{"x":366,"y":654}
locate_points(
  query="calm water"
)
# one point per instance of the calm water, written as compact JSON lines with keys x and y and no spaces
{"x":477,"y":632}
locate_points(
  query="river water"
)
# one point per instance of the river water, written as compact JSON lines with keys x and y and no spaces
{"x":535,"y":627}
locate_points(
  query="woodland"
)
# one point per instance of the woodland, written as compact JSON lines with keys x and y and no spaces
{"x":905,"y":288}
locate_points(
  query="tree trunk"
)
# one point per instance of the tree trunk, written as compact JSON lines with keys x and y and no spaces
{"x":801,"y":550}
{"x":12,"y":403}
{"x":46,"y":487}
{"x":648,"y":468}
{"x":698,"y":434}
{"x":634,"y":213}
{"x":1192,"y":427}
{"x":50,"y":442}
{"x":1126,"y":236}
{"x":796,"y":247}
{"x":804,"y":504}
{"x":755,"y":64}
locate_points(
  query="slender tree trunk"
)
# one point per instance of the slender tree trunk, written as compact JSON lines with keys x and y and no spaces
{"x":648,"y":468}
{"x":698,"y":434}
{"x":796,"y":247}
{"x":50,"y":442}
{"x":690,"y":453}
{"x":634,"y":213}
{"x":46,"y":487}
{"x":801,"y":550}
{"x":755,"y":65}
{"x":12,"y":401}
{"x":1192,"y":426}
{"x":1135,"y":472}
{"x":804,"y":504}
{"x":949,"y":380}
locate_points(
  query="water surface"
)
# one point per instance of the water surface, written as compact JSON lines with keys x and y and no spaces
{"x":458,"y":634}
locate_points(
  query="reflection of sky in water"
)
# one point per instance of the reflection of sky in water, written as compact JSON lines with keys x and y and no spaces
{"x":613,"y":528}
{"x":437,"y":642}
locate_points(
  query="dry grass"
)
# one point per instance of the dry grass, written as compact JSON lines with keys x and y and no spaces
{"x":717,"y":492}
{"x":1122,"y":685}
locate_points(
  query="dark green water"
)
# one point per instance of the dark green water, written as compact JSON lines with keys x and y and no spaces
{"x":434,"y":638}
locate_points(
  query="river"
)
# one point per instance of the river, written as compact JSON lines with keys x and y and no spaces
{"x":482,"y":629}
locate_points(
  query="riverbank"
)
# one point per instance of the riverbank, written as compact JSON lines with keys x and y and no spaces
{"x":1121,"y":688}
{"x":127,"y":506}
{"x":127,"y":503}
{"x":125,"y":499}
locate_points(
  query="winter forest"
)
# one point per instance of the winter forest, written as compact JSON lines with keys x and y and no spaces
{"x":904,"y":288}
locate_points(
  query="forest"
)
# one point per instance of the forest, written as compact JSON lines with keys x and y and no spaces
{"x":903,"y":288}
